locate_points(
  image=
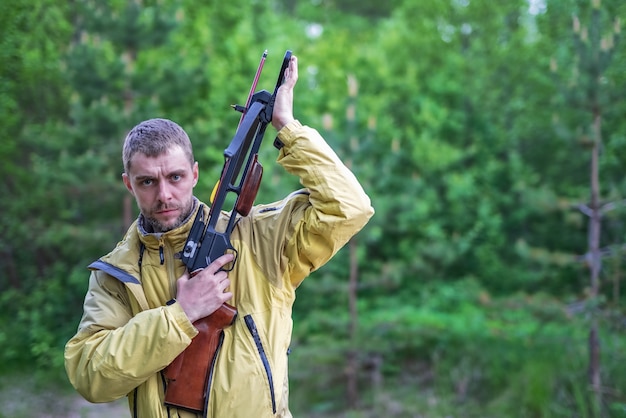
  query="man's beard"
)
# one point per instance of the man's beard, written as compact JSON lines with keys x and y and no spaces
{"x":158,"y":226}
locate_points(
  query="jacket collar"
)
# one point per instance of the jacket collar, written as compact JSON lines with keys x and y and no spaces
{"x":175,"y":236}
{"x":127,"y":252}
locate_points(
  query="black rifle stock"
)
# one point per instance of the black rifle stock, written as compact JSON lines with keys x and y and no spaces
{"x":189,"y":375}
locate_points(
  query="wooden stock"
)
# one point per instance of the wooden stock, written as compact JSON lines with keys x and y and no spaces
{"x":188,"y":375}
{"x":250,"y":187}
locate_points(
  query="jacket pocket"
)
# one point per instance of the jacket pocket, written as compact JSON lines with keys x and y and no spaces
{"x":264,"y":361}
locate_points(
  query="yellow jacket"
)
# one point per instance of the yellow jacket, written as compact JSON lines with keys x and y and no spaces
{"x":127,"y":335}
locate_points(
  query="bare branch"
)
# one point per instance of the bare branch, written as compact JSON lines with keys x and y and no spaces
{"x":586,"y":210}
{"x":612,"y":205}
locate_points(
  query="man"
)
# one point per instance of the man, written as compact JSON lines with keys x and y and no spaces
{"x":141,"y":303}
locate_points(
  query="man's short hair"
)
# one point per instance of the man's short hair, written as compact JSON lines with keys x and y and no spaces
{"x":154,"y":137}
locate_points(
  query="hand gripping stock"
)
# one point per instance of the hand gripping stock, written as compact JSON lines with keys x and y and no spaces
{"x":189,"y":375}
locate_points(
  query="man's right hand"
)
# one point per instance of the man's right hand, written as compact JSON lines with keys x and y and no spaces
{"x":204,"y":293}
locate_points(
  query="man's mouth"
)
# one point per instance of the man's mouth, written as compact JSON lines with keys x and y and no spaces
{"x":166,"y":211}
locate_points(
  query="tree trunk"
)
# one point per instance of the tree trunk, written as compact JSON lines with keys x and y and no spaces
{"x":596,"y":266}
{"x":353,"y":362}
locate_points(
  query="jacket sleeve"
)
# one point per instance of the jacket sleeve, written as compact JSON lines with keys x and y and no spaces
{"x":337,"y":206}
{"x":113,"y":351}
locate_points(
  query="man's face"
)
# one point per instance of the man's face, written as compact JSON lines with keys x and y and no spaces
{"x":163,"y":187}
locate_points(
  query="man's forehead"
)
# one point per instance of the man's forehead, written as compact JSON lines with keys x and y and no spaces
{"x":171,"y":160}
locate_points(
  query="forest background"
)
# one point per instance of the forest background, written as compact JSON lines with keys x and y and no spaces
{"x":490,"y":136}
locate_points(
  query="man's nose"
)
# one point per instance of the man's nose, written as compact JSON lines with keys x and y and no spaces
{"x":165,"y":192}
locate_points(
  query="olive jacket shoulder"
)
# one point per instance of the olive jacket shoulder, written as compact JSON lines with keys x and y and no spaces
{"x":128,"y":335}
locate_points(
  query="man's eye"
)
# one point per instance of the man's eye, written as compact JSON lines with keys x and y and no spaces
{"x":176,"y":177}
{"x":147,"y":182}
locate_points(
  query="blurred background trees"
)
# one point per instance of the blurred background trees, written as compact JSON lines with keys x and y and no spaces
{"x":472,"y":124}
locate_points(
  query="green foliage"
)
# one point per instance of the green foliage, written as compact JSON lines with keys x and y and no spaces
{"x":471,"y":285}
{"x":517,"y":356}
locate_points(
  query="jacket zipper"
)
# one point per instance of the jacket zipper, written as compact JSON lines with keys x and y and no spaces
{"x":210,"y":377}
{"x":135,"y":414}
{"x":266,"y":364}
{"x":166,"y":257}
{"x":164,"y":382}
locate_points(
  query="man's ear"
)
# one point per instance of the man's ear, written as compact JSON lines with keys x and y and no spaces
{"x":195,"y":173}
{"x":126,"y":180}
